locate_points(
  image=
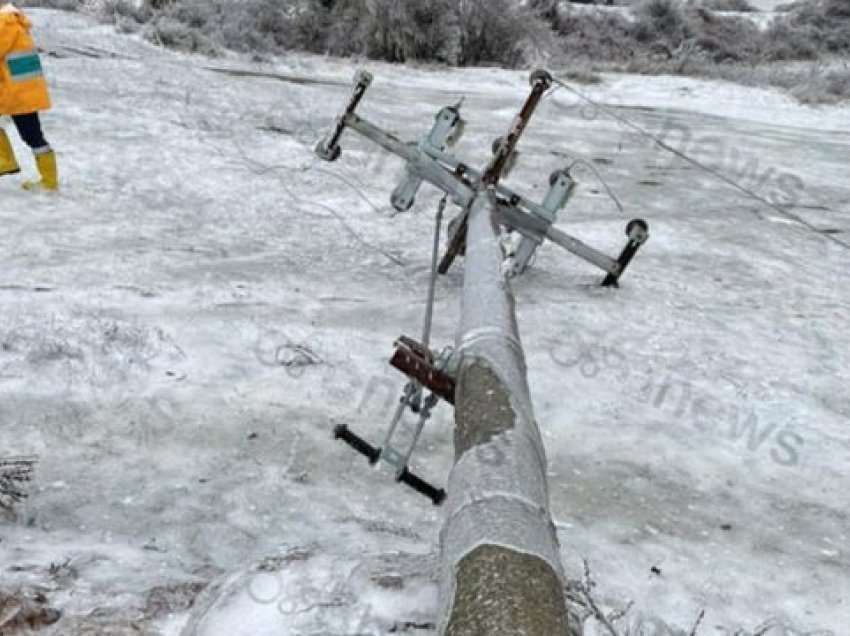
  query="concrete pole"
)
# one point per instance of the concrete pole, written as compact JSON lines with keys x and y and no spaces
{"x":501,"y":569}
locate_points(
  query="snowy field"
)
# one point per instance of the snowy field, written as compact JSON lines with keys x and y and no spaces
{"x":182,"y":326}
{"x":767,"y":5}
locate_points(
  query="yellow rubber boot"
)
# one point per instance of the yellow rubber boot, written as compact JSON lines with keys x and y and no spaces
{"x":8,"y":163}
{"x":46,"y":162}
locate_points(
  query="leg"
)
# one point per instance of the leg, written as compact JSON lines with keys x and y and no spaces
{"x":29,"y":127}
{"x":8,"y":163}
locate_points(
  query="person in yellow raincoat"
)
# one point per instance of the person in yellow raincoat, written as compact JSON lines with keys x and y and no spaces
{"x":23,"y":93}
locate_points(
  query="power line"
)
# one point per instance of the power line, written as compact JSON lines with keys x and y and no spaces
{"x":694,"y":162}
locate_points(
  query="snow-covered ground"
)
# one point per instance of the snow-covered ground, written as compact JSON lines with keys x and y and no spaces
{"x":696,"y":419}
{"x":767,"y":5}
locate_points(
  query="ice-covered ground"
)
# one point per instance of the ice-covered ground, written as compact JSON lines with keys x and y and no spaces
{"x":767,"y":5}
{"x":182,"y":326}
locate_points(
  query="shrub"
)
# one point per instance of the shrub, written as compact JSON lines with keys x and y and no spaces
{"x":787,"y":6}
{"x":491,"y":31}
{"x":824,"y":88}
{"x":724,"y":39}
{"x":128,"y":11}
{"x":827,"y":22}
{"x":599,"y":37}
{"x":204,"y":25}
{"x":741,"y":6}
{"x":259,"y":25}
{"x":62,"y":5}
{"x":172,"y":33}
{"x":660,"y":36}
{"x":461,"y":33}
{"x":311,"y":26}
{"x":659,"y":20}
{"x":392,"y":30}
{"x":782,"y":43}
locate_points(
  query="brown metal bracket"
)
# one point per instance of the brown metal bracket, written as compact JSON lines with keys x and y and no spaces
{"x":541,"y":81}
{"x":417,"y":362}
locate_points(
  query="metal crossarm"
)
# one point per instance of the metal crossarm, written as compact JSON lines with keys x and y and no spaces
{"x":638,"y":232}
{"x":330,"y":150}
{"x":428,"y":161}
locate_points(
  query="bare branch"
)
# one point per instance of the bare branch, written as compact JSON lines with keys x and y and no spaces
{"x":697,"y":624}
{"x":587,"y":586}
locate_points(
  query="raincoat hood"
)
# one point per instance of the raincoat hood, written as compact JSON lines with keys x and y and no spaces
{"x":11,"y":13}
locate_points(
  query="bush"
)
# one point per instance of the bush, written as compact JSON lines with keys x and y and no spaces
{"x":391,"y":30}
{"x":260,"y":25}
{"x":205,"y":25}
{"x":174,"y":34}
{"x":724,"y":39}
{"x":62,"y":5}
{"x":782,"y":43}
{"x":740,"y":6}
{"x":124,"y":10}
{"x":460,"y":33}
{"x":660,"y":36}
{"x":492,"y":31}
{"x":595,"y":36}
{"x":785,"y":7}
{"x":825,"y":88}
{"x":827,"y":22}
{"x":659,"y":20}
{"x":310,"y":27}
{"x":448,"y":31}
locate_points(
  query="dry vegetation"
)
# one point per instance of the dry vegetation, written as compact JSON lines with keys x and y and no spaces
{"x":705,"y":38}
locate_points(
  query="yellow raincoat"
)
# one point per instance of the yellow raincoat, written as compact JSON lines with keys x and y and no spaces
{"x":22,"y":86}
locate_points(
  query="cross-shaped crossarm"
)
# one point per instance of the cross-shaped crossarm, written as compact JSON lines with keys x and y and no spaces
{"x":419,"y":164}
{"x":428,"y":161}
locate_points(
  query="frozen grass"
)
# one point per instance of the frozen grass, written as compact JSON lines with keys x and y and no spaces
{"x":468,"y":33}
{"x":825,"y":88}
{"x":652,"y":37}
{"x":666,"y":27}
{"x":827,"y":22}
{"x":741,"y":6}
{"x":667,"y":37}
{"x":62,"y":5}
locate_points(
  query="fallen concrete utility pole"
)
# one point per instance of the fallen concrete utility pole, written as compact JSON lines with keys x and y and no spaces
{"x":501,"y":561}
{"x":501,"y":572}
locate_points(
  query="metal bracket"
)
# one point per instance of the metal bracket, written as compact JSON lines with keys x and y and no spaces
{"x":637,"y":230}
{"x":561,"y":187}
{"x":425,"y":369}
{"x":503,"y":152}
{"x":419,"y":364}
{"x":343,"y":433}
{"x":444,"y":131}
{"x":329,"y":148}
